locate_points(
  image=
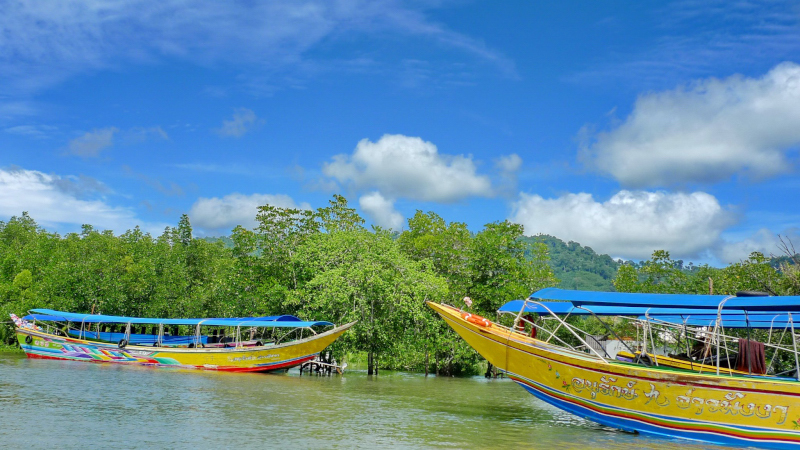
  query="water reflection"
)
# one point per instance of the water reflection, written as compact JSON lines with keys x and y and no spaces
{"x":69,"y":404}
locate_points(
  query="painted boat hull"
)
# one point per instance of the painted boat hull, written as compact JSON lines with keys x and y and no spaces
{"x":741,"y":411}
{"x":247,"y":359}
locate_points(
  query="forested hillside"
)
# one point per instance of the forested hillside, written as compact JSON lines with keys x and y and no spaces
{"x":576,"y":266}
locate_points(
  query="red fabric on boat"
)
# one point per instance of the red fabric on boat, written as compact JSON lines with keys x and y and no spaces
{"x":754,"y":352}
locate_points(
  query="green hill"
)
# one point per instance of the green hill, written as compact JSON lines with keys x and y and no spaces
{"x":578,"y":267}
{"x":227,"y":241}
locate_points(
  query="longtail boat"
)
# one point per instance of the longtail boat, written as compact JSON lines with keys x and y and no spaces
{"x":713,"y":404}
{"x":250,"y":344}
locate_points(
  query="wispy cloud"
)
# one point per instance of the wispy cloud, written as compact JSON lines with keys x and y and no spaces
{"x":165,"y":187}
{"x":243,"y":121}
{"x":32,"y":131}
{"x":699,"y":38}
{"x":143,"y":134}
{"x":42,"y":44}
{"x":93,"y":142}
{"x":232,"y":169}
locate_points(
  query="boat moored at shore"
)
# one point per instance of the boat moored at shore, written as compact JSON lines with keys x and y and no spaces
{"x":254,"y":344}
{"x":722,"y":405}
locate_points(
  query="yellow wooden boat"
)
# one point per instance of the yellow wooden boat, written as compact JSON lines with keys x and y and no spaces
{"x":726,"y":409}
{"x":40,"y":339}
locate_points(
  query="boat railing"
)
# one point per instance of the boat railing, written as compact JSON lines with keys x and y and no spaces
{"x":715,"y":339}
{"x":550,"y":333}
{"x":561,"y":323}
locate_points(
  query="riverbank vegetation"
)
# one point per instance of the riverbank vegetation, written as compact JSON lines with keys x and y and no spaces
{"x":326,"y":265}
{"x":319,"y":265}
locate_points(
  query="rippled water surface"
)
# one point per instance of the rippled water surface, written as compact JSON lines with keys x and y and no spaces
{"x":58,"y":404}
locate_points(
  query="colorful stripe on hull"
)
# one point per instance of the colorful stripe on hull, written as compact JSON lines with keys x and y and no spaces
{"x":633,"y":422}
{"x":255,"y":359}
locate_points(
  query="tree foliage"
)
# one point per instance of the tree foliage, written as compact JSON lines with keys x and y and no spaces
{"x":662,"y":274}
{"x":321,"y":265}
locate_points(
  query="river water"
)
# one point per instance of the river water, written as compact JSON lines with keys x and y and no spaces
{"x":56,"y":404}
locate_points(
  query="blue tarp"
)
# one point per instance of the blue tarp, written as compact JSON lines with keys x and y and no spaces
{"x":684,"y":301}
{"x":271,"y":322}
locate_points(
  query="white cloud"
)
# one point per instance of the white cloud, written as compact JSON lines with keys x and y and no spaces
{"x":381,"y":211}
{"x":243,"y":120}
{"x":57,"y":201}
{"x":705,"y":132}
{"x":509,"y":163}
{"x":223,"y":214}
{"x":631,"y":224}
{"x":91,"y":143}
{"x":403,"y":166}
{"x":732,"y":249}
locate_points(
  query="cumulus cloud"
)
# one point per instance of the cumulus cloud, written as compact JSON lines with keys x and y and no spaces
{"x":381,"y":210}
{"x":403,"y":166}
{"x":93,"y":142}
{"x":631,"y":224}
{"x":704,"y":132}
{"x":223,"y":214}
{"x":58,"y":201}
{"x":243,"y":120}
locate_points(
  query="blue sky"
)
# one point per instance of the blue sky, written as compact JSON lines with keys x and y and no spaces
{"x":625,"y":126}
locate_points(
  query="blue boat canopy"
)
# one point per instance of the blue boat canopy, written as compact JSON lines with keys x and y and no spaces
{"x":691,"y":317}
{"x":563,"y":308}
{"x":269,"y":321}
{"x":684,"y":301}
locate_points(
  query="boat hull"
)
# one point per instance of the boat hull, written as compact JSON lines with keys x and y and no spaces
{"x":749,"y":411}
{"x":40,"y":345}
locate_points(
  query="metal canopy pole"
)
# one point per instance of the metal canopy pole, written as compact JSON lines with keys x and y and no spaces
{"x":719,"y":322}
{"x":686,"y":340}
{"x":794,"y":347}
